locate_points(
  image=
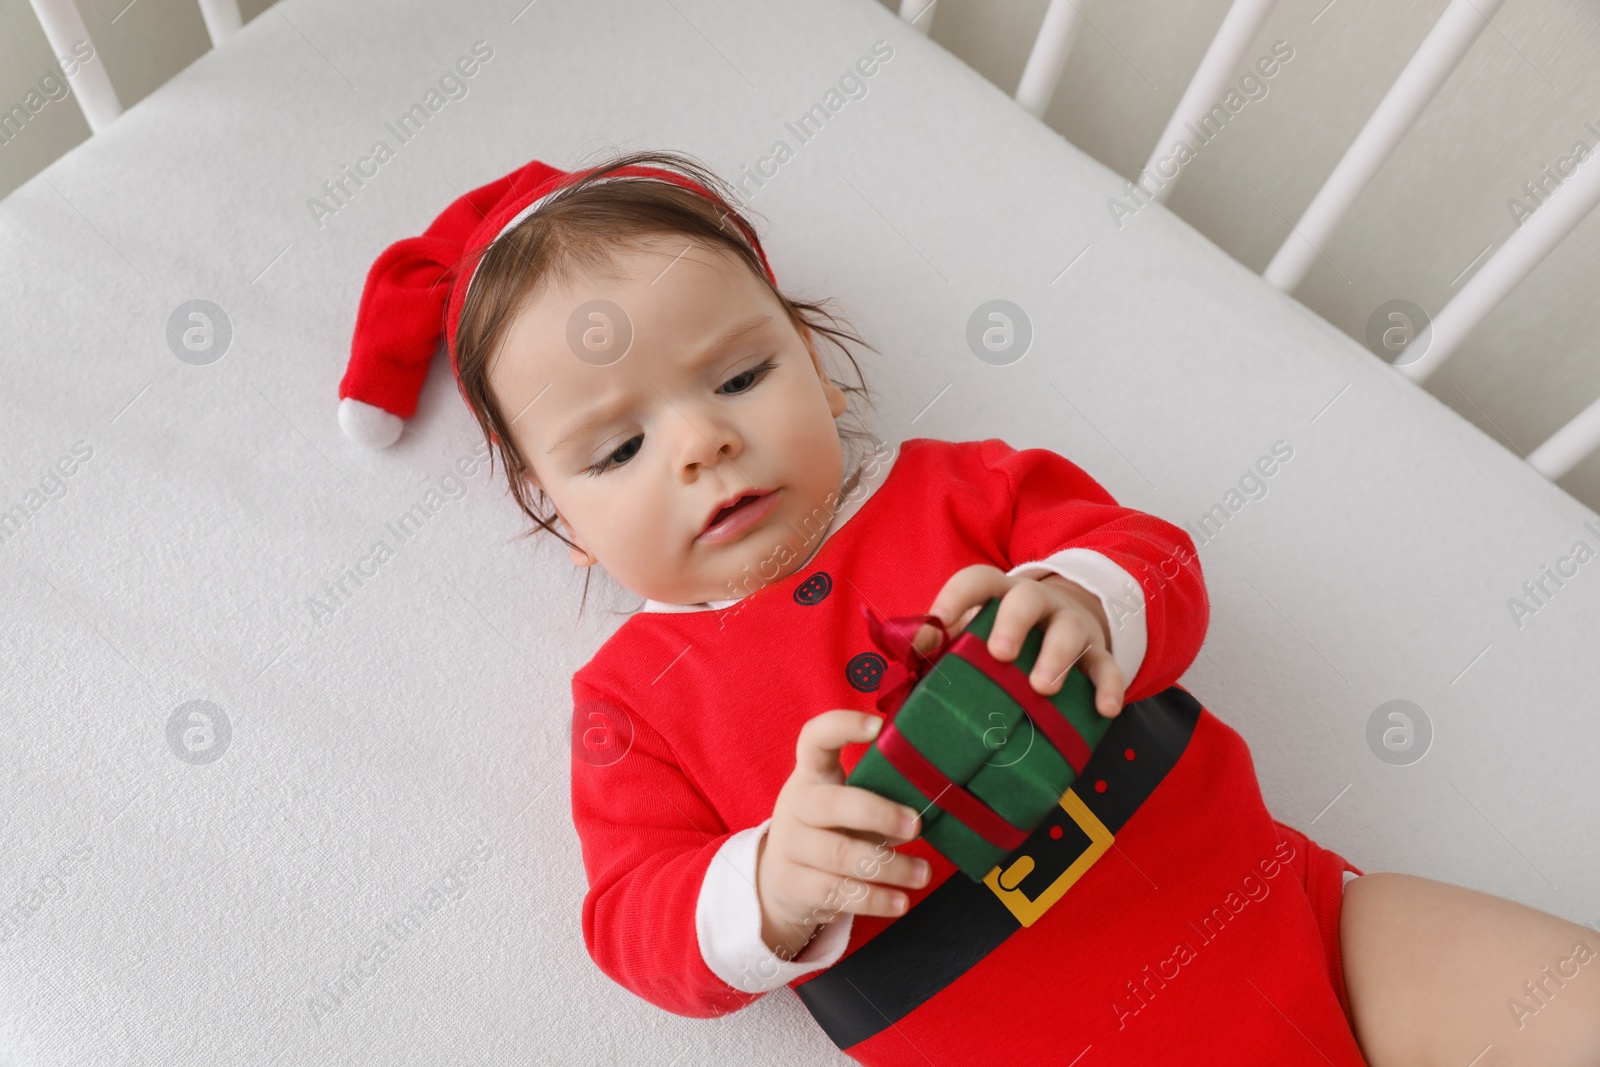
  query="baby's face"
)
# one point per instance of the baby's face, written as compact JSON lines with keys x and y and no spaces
{"x":718,"y":395}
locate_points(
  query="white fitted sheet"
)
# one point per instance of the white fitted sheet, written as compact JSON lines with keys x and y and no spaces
{"x":192,"y":914}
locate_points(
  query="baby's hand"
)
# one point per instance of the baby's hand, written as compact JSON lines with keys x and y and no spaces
{"x":1076,"y":633}
{"x":829,"y":842}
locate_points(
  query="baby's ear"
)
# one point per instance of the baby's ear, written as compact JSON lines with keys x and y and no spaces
{"x":581,"y":556}
{"x":527,"y":475}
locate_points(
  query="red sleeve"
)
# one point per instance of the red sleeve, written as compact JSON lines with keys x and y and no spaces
{"x":1056,"y":505}
{"x":648,"y":837}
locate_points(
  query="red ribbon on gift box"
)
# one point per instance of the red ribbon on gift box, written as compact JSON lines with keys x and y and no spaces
{"x":907,"y":667}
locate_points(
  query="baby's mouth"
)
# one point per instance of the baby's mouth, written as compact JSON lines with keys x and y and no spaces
{"x":731,"y":508}
{"x":730,"y":521}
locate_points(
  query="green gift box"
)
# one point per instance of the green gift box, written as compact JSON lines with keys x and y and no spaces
{"x":970,"y":743}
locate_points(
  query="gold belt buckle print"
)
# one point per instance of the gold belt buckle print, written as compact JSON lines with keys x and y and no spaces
{"x":1019,"y":885}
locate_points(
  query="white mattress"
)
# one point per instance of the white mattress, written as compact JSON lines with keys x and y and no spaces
{"x":155,"y":911}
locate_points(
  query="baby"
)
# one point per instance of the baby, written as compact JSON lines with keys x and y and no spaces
{"x":621,"y":339}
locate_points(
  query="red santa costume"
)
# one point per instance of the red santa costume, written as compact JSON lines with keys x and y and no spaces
{"x":1208,"y":934}
{"x":1169,"y":919}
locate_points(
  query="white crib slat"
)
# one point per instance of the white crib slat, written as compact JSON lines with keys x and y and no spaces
{"x":63,"y":28}
{"x":1048,"y":56}
{"x":1435,"y":59}
{"x":1524,"y":249}
{"x":1210,"y":82}
{"x":222,"y":19}
{"x":1568,"y":445}
{"x":919,"y":13}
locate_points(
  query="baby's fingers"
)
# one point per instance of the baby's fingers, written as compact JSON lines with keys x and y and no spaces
{"x":816,"y":751}
{"x":859,"y":858}
{"x":1110,"y":687}
{"x":968,"y":588}
{"x":1064,"y":646}
{"x":847,"y":807}
{"x":833,"y":894}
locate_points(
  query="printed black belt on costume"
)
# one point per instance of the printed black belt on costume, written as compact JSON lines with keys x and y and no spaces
{"x":962,"y":921}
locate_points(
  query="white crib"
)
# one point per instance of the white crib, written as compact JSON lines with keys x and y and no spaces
{"x":175,"y":898}
{"x":1415,"y":343}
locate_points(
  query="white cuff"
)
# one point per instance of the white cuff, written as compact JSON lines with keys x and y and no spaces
{"x":1121,"y":597}
{"x":727,"y":921}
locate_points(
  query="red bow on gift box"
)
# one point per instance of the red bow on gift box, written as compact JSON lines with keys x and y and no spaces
{"x":907,"y":667}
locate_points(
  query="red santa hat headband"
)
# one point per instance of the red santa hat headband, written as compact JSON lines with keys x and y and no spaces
{"x":415,"y":291}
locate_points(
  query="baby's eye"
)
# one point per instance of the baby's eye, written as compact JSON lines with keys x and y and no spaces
{"x":754,"y":374}
{"x":626,"y":452}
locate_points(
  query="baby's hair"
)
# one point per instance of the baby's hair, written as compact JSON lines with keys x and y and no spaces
{"x":579,"y":230}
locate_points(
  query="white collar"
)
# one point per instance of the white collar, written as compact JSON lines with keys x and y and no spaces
{"x":850,"y":502}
